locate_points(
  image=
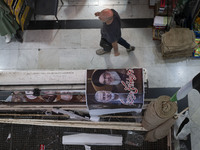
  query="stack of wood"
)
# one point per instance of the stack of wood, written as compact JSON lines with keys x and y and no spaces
{"x":178,"y":42}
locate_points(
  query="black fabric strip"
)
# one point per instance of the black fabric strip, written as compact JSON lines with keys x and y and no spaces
{"x":86,"y":24}
{"x":196,"y":82}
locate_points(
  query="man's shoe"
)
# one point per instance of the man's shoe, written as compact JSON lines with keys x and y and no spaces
{"x":132,"y":48}
{"x":18,"y":37}
{"x":8,"y":38}
{"x":101,"y":52}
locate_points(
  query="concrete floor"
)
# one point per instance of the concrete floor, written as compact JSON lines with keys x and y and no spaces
{"x":75,"y":49}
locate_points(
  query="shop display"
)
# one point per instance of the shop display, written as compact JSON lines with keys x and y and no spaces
{"x":21,"y":11}
{"x":196,"y":53}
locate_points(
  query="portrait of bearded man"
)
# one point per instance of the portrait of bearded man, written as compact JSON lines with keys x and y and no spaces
{"x":111,"y":80}
{"x":117,"y":98}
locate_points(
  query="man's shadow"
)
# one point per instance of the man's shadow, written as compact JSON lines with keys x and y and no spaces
{"x":108,"y":61}
{"x":131,"y":61}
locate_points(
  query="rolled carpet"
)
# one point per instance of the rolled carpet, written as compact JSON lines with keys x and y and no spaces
{"x":161,"y":131}
{"x":158,"y":112}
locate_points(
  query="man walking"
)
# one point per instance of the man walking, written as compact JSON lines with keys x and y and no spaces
{"x":111,"y":33}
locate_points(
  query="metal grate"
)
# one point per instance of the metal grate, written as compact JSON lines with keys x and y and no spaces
{"x":26,"y":137}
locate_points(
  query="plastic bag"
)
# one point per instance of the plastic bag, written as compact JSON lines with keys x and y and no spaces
{"x":134,"y":139}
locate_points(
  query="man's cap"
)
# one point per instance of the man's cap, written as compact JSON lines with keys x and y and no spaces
{"x":95,"y":77}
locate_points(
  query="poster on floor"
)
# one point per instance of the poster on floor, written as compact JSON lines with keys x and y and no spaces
{"x":114,"y":90}
{"x":49,"y":96}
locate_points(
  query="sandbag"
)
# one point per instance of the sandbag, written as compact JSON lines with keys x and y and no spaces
{"x":178,"y":42}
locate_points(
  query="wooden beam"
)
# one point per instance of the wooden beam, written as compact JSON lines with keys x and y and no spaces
{"x":13,"y":107}
{"x":41,"y":106}
{"x":33,"y":115}
{"x":78,"y":124}
{"x":122,"y":117}
{"x":43,"y":115}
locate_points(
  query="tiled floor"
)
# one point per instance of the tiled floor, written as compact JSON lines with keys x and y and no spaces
{"x":75,"y":49}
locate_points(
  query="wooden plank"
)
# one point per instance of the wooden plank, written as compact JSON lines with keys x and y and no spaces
{"x":12,"y":107}
{"x":149,"y":99}
{"x":18,"y":107}
{"x":37,"y":109}
{"x":46,"y":106}
{"x":43,"y":115}
{"x":42,"y":106}
{"x":122,"y":117}
{"x":33,"y":115}
{"x":169,"y":140}
{"x":78,"y":124}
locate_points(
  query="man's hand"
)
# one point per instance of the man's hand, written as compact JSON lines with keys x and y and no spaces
{"x":115,"y":47}
{"x":97,"y":14}
{"x":116,"y":53}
